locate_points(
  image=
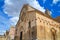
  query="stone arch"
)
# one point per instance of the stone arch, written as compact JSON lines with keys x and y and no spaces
{"x":53,"y":33}
{"x":21,"y":33}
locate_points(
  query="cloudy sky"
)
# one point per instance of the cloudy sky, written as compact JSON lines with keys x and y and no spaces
{"x":10,"y":10}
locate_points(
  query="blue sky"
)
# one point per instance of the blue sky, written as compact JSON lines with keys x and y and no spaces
{"x":10,"y":9}
{"x":53,"y":6}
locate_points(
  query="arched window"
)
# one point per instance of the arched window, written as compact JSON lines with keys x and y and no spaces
{"x":29,"y":28}
{"x":29,"y":24}
{"x":53,"y":32}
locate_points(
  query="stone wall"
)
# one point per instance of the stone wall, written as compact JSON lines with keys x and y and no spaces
{"x":44,"y":27}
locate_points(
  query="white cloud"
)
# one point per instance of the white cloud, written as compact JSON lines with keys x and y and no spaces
{"x":14,"y":20}
{"x":50,"y":12}
{"x":8,"y":2}
{"x":13,"y":8}
{"x":36,"y":5}
{"x":55,"y":1}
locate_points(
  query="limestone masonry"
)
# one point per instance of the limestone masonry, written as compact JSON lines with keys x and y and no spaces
{"x":36,"y":25}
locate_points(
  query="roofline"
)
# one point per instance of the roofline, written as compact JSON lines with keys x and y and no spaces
{"x":40,"y":12}
{"x":46,"y":16}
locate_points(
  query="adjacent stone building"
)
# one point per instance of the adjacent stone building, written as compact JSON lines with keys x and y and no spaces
{"x":2,"y":37}
{"x":36,"y":25}
{"x":7,"y":35}
{"x":11,"y":33}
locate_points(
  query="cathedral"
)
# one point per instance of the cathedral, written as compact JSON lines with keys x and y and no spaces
{"x":36,"y":25}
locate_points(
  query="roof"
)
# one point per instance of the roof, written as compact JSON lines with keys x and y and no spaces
{"x":41,"y":13}
{"x":58,"y":19}
{"x":36,"y":10}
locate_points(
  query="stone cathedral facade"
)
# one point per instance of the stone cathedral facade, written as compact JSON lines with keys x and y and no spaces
{"x":36,"y":25}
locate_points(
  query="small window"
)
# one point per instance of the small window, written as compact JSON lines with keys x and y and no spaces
{"x":29,"y":24}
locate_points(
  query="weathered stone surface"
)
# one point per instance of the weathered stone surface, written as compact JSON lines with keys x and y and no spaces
{"x":35,"y":25}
